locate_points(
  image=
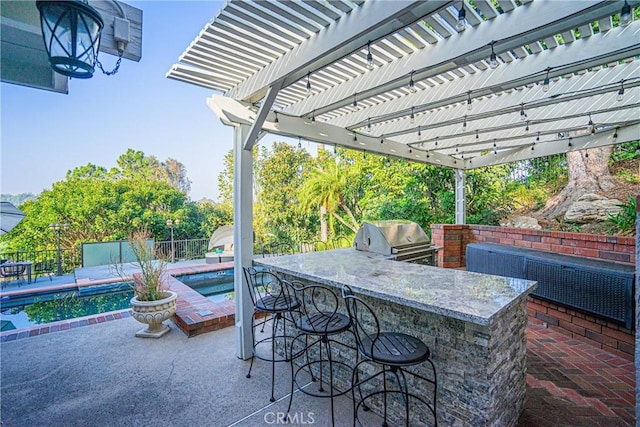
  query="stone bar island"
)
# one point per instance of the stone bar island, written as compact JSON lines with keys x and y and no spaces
{"x":474,"y":324}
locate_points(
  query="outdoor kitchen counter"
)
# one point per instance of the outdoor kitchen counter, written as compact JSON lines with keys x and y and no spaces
{"x":474,"y":324}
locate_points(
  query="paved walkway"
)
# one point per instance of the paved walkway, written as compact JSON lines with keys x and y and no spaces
{"x":571,"y":383}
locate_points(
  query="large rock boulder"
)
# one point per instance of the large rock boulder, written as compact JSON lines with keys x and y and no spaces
{"x":523,"y":222}
{"x":592,"y":208}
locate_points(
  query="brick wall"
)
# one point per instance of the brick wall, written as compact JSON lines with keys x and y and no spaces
{"x":453,"y":240}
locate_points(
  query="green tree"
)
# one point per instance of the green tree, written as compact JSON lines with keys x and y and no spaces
{"x":325,"y":190}
{"x":278,"y":176}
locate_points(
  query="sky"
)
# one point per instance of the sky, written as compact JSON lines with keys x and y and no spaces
{"x":45,"y":134}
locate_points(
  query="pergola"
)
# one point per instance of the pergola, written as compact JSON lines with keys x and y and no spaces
{"x":457,"y":84}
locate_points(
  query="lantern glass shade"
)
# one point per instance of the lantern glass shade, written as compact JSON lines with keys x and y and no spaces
{"x":71,"y":32}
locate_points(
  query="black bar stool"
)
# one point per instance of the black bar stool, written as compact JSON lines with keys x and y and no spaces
{"x":393,"y":351}
{"x":318,"y":324}
{"x":272,"y":299}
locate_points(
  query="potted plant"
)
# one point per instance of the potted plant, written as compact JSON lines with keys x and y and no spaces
{"x":153,"y":302}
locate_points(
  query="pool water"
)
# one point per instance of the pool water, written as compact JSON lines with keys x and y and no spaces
{"x":27,"y":311}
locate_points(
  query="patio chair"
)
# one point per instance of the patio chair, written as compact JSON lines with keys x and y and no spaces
{"x":44,"y":267}
{"x":393,"y":352}
{"x":319,"y":325}
{"x":273,"y":300}
{"x":13,"y":271}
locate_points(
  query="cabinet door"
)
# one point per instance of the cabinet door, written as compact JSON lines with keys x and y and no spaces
{"x":597,"y":292}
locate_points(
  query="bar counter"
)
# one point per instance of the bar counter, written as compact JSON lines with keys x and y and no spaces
{"x":474,"y":324}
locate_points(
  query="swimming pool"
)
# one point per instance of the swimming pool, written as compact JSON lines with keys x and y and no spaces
{"x":26,"y":311}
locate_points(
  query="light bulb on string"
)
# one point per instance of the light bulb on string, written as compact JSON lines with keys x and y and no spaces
{"x":546,"y":83}
{"x":412,"y":117}
{"x":460,"y":23}
{"x":412,"y":84}
{"x":369,"y":57}
{"x":493,"y":59}
{"x":625,"y":14}
{"x":620,"y":96}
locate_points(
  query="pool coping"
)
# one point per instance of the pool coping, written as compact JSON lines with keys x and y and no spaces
{"x":195,"y":314}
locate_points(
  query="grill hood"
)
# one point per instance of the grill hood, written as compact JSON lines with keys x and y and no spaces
{"x":382,"y":237}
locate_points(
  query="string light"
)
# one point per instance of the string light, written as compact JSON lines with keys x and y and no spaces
{"x":493,"y":59}
{"x":464,"y":124}
{"x":527,"y":128}
{"x":538,"y":137}
{"x":546,"y":83}
{"x":313,"y":118}
{"x":523,"y":115}
{"x":412,"y":117}
{"x":369,"y":57}
{"x":276,"y":122}
{"x":419,"y":133}
{"x":460,"y":24}
{"x":299,"y":143}
{"x":354,"y":106}
{"x":590,"y":125}
{"x":369,"y":123}
{"x":615,"y":134}
{"x":469,"y":106}
{"x":620,"y":96}
{"x":625,"y":14}
{"x":308,"y":83}
{"x":477,"y":136}
{"x":412,"y":84}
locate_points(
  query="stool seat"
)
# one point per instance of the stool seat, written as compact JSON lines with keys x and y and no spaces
{"x":277,"y":304}
{"x":395,"y":349}
{"x":322,"y":323}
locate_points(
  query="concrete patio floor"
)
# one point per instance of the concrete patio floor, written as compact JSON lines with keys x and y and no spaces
{"x":101,"y":375}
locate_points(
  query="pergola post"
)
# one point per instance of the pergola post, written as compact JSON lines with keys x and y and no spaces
{"x":242,"y":238}
{"x":461,"y":207}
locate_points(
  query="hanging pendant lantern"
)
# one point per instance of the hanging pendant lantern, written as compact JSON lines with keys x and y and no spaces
{"x":71,"y":32}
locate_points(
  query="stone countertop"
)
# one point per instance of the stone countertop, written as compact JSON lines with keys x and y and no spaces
{"x":471,"y":297}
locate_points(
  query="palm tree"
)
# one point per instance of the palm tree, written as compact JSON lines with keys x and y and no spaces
{"x":324,"y":188}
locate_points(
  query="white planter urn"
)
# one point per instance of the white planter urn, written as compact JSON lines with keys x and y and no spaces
{"x":154,"y":313}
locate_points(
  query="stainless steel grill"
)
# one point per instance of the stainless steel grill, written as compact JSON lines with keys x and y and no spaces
{"x":398,"y":240}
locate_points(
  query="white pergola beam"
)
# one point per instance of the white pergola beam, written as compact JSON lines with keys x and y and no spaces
{"x":370,"y":21}
{"x":618,"y":46}
{"x":530,"y":24}
{"x":625,"y":134}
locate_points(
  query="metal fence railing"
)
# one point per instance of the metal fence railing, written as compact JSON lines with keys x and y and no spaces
{"x":182,"y":250}
{"x":71,"y":258}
